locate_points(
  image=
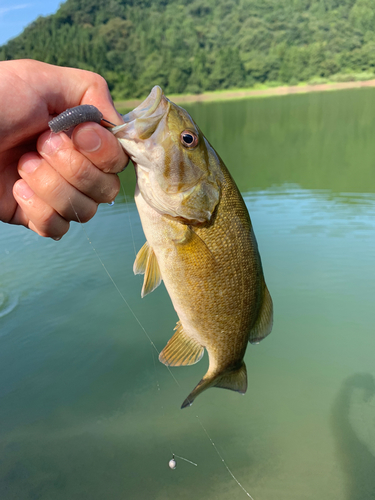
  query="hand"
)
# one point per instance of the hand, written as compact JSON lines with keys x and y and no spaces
{"x":47,"y":179}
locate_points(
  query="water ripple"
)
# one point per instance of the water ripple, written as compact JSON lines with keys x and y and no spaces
{"x":8,"y":302}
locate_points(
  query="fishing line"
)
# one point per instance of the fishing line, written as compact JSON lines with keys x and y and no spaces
{"x":128,"y":212}
{"x":186,"y":460}
{"x":158,"y":352}
{"x":172,"y":463}
{"x":223,"y":461}
{"x":117,"y":288}
{"x":82,"y":114}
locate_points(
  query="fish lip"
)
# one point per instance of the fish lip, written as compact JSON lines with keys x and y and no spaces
{"x":151,"y":108}
{"x":147,"y":107}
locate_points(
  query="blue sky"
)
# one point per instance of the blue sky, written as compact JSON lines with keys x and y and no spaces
{"x":16,"y":15}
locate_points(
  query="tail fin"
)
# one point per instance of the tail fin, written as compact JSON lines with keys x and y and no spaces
{"x":234,"y":379}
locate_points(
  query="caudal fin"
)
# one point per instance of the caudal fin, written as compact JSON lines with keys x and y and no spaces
{"x":235,"y":380}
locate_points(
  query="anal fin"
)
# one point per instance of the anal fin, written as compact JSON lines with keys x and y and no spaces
{"x":264,"y":322}
{"x":181,"y":350}
{"x":146,"y":263}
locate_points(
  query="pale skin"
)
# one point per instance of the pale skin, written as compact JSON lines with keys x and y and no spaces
{"x":47,"y":179}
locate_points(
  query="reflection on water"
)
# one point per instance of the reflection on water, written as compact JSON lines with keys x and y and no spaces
{"x":318,"y":141}
{"x":7,"y":302}
{"x":87,"y":411}
{"x":356,"y":436}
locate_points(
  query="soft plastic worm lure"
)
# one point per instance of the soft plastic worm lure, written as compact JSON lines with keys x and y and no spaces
{"x":74,"y":116}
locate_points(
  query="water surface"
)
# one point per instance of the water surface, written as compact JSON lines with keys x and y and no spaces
{"x":86,"y":409}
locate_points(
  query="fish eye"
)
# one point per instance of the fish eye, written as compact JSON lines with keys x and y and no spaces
{"x":189,"y":139}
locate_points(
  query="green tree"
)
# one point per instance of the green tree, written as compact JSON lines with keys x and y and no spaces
{"x":204,"y":44}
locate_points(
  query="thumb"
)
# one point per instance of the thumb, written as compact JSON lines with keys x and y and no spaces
{"x":43,"y":91}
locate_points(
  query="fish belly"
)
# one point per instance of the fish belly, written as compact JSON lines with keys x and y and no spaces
{"x":213,"y":277}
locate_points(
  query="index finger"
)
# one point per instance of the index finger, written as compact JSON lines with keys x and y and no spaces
{"x":49,"y":91}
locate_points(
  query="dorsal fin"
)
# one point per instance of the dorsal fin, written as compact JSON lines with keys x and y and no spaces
{"x":146,"y":263}
{"x":181,"y":350}
{"x":264,"y":322}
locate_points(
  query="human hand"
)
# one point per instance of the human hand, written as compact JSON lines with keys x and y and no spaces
{"x":47,"y":180}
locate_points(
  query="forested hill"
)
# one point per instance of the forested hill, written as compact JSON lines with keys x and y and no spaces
{"x":197,"y":45}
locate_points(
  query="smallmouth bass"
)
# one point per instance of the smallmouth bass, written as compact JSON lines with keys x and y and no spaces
{"x":200,"y":242}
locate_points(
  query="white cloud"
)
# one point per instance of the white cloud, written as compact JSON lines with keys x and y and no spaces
{"x":4,"y":10}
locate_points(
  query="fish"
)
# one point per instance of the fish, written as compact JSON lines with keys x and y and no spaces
{"x":199,"y":242}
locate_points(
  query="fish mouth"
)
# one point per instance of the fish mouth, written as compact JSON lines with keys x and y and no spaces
{"x":145,"y":116}
{"x":147,"y":107}
{"x":139,"y":132}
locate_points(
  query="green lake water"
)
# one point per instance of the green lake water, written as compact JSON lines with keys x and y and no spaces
{"x":88,"y":412}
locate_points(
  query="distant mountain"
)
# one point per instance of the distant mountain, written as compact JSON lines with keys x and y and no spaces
{"x":197,"y":45}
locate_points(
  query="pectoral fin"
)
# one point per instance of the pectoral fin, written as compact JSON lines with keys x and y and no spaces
{"x":181,"y":350}
{"x":146,"y":263}
{"x":140,"y":263}
{"x":263,"y":324}
{"x":193,"y":250}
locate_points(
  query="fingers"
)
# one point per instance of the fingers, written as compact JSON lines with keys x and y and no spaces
{"x":44,"y":91}
{"x":89,"y":166}
{"x":95,"y":142}
{"x":67,"y":178}
{"x":80,"y":171}
{"x":54,"y":190}
{"x":35,"y":214}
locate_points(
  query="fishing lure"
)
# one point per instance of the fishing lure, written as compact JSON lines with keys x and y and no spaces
{"x":74,"y":116}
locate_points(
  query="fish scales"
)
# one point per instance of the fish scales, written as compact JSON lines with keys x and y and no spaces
{"x":200,"y":242}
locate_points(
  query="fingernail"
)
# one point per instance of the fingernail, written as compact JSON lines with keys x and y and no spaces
{"x":57,"y":238}
{"x":87,"y":140}
{"x":29,"y":166}
{"x":24,"y":190}
{"x":52,"y":144}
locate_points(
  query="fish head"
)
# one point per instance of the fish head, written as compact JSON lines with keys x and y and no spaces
{"x":178,"y":171}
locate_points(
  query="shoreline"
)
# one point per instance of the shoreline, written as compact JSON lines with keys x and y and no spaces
{"x":227,"y":95}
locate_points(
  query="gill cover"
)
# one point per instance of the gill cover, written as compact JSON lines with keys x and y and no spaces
{"x":175,"y":179}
